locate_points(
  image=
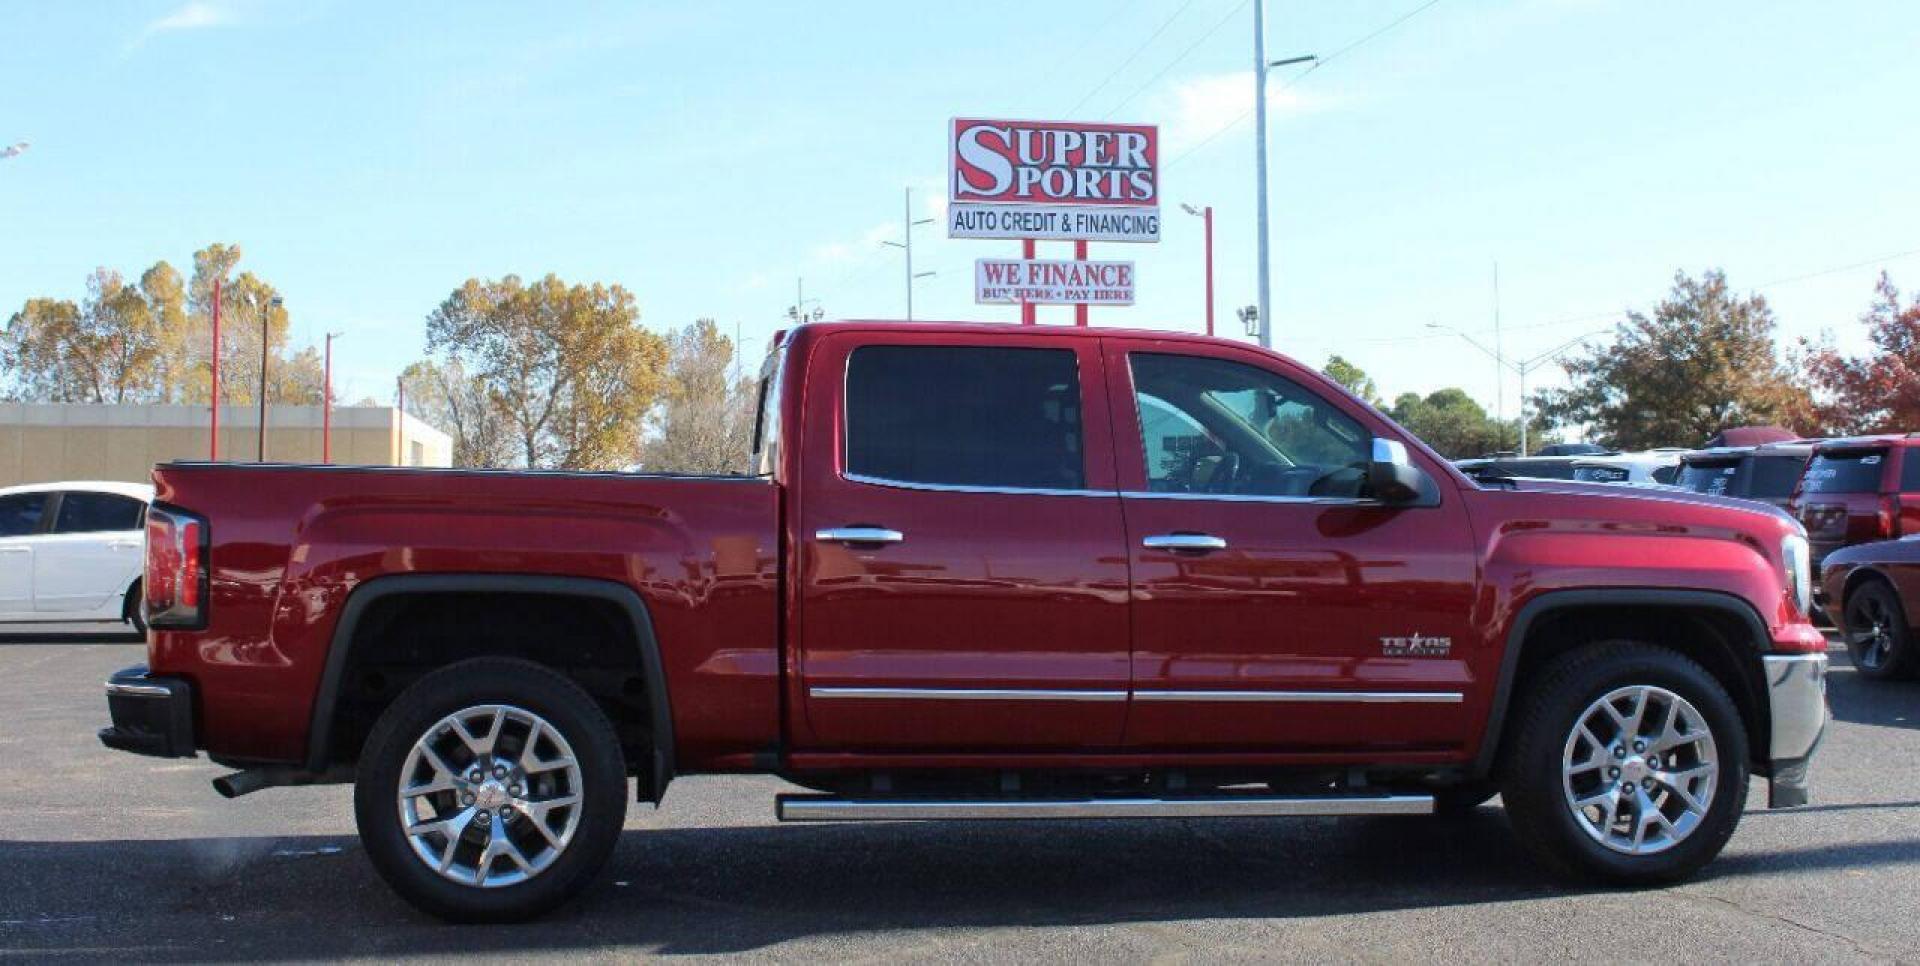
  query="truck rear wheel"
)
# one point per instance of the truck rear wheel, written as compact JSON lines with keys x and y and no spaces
{"x":1628,"y":765}
{"x":491,"y":790}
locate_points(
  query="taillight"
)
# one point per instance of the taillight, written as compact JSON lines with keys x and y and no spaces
{"x":176,"y":578}
{"x":1889,"y":517}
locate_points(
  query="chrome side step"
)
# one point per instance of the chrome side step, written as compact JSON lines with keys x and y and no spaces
{"x":829,"y":808}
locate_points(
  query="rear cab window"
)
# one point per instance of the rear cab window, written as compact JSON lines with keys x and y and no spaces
{"x":1710,"y":476}
{"x":1845,"y":471}
{"x":965,"y":416}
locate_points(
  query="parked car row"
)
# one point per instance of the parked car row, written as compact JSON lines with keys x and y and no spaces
{"x":1857,"y":497}
{"x":71,"y":554}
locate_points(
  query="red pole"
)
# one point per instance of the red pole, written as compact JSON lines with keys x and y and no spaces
{"x":1026,"y":308}
{"x":326,"y":406}
{"x":213,"y":436}
{"x":1209,"y":220}
{"x":1080,"y":311}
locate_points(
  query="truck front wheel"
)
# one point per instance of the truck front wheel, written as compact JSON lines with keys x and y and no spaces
{"x":490,"y":790}
{"x":1629,"y":765}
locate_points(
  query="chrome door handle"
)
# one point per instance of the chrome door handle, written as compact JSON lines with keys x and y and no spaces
{"x":858,"y":535}
{"x":1197,"y":542}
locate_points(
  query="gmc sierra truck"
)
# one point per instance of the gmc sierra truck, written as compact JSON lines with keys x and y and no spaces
{"x":982,"y":572}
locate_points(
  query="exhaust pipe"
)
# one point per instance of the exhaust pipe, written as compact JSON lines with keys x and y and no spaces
{"x":250,"y":780}
{"x":829,"y":808}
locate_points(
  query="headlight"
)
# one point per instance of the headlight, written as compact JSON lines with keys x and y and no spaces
{"x":1793,"y":551}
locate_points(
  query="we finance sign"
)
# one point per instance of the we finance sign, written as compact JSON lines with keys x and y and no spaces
{"x":1054,"y":180}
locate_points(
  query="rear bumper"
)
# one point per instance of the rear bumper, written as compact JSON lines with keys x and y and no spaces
{"x":1797,"y":699}
{"x":151,"y":715}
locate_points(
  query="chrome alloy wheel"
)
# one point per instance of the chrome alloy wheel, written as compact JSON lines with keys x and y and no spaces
{"x":490,"y":795}
{"x":1640,"y":769}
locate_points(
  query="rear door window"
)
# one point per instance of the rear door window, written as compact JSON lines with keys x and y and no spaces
{"x":1845,"y":471}
{"x":85,"y":512}
{"x":966,"y":416}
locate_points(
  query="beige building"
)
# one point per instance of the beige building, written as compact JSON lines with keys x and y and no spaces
{"x":48,"y":442}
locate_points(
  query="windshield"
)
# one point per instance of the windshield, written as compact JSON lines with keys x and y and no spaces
{"x":1845,"y":471}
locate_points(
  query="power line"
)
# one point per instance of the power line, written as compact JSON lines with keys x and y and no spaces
{"x":1242,"y":5}
{"x":1322,"y":62}
{"x":1137,"y":51}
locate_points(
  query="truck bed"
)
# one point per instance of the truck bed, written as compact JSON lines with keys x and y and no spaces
{"x":290,"y":543}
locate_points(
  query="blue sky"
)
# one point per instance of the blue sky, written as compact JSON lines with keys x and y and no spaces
{"x":371,"y":157}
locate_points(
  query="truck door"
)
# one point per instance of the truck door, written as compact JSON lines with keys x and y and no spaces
{"x":1276,"y":607}
{"x":963,"y":578}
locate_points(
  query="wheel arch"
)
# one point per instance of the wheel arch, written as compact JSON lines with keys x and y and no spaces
{"x":361,"y":601}
{"x":1861,"y":576}
{"x":1732,"y":620}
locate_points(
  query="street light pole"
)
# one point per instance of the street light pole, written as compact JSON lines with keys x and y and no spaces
{"x":213,"y":442}
{"x":1206,"y":214}
{"x":1260,"y":68}
{"x":1521,"y":367}
{"x":326,"y":402}
{"x":260,"y":448}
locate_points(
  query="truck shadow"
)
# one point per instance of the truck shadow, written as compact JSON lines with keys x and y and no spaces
{"x":722,"y":890}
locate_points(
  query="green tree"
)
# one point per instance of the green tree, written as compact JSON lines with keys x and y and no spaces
{"x":1704,"y":360}
{"x":104,"y":350}
{"x":1353,"y":378}
{"x":704,"y":422}
{"x":1452,"y":423}
{"x":566,"y":366}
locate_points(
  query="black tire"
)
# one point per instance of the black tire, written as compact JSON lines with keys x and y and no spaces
{"x":135,"y":610}
{"x":1878,"y":638}
{"x":1555,"y":702}
{"x":537,"y":689}
{"x":1455,"y":801}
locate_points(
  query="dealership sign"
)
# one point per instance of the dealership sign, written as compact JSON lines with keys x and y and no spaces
{"x":1007,"y":281}
{"x":1054,"y":180}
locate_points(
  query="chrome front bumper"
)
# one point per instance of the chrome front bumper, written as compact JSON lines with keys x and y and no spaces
{"x":1797,"y":699}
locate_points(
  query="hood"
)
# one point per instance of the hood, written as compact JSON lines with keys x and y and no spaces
{"x":1616,"y":491}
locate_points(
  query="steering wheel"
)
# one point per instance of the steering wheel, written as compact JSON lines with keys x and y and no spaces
{"x":1348,"y":480}
{"x":1225,"y":473}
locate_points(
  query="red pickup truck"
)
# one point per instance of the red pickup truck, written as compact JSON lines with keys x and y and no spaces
{"x":982,"y":572}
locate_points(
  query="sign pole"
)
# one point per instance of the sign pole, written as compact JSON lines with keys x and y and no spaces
{"x":1026,"y":308}
{"x":1080,"y":309}
{"x":213,"y":443}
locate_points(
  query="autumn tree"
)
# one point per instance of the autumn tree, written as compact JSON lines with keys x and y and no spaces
{"x":1353,"y":378}
{"x":1878,"y":392}
{"x":152,"y":341}
{"x":704,"y":422}
{"x":567,"y":367}
{"x":452,"y":399}
{"x":1704,"y":360}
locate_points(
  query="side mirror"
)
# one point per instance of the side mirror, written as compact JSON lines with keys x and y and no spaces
{"x":1392,"y":476}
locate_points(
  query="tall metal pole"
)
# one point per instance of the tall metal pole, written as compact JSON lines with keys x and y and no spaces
{"x":1209,"y":220}
{"x":1499,"y":360}
{"x":1260,"y":165}
{"x":213,"y":444}
{"x":260,"y":448}
{"x":906,"y":227}
{"x":326,"y":404}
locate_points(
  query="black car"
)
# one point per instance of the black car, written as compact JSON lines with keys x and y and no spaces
{"x":1766,"y":473}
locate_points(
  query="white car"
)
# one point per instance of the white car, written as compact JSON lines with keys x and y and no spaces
{"x":71,"y":554}
{"x":1654,"y":467}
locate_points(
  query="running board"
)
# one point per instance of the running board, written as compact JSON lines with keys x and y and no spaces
{"x":829,"y":808}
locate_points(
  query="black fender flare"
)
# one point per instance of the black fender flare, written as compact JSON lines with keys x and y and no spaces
{"x":1625,"y":597}
{"x":364,"y":596}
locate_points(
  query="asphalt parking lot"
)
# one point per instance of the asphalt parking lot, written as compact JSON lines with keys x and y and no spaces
{"x":104,"y":855}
